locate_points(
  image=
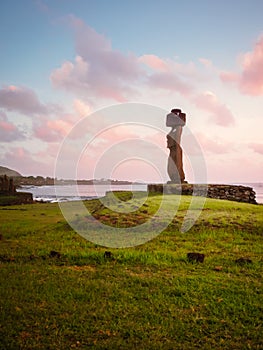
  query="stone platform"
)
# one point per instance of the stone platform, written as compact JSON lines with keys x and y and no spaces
{"x":229,"y":192}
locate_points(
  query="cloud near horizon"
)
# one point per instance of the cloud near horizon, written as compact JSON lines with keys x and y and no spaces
{"x":256,"y":147}
{"x":220,"y":113}
{"x":214,"y":146}
{"x":50,"y":123}
{"x":29,"y":163}
{"x":250,"y":79}
{"x":55,"y":128}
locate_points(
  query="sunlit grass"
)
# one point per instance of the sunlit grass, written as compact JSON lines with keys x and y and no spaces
{"x":145,"y":297}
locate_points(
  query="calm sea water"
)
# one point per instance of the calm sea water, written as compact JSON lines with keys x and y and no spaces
{"x":72,"y":192}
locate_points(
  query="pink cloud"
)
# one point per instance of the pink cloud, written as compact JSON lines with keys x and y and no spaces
{"x":158,"y":138}
{"x":8,"y":131}
{"x":257,"y":147}
{"x":51,"y":130}
{"x":108,"y":137}
{"x":96,"y":49}
{"x":50,"y":151}
{"x":54,"y":128}
{"x":238,"y":169}
{"x":120,"y":142}
{"x":207,"y":63}
{"x":81,"y":108}
{"x":250,"y":80}
{"x":170,"y":75}
{"x":229,"y":77}
{"x":25,"y":162}
{"x":60,"y":126}
{"x":98,"y":70}
{"x":214,"y":146}
{"x":117,"y":149}
{"x":171,"y":82}
{"x":220,"y":114}
{"x":72,"y":76}
{"x":154,"y":62}
{"x":101,"y":71}
{"x":134,"y":169}
{"x":50,"y":122}
{"x":21,"y":99}
{"x":5,"y":125}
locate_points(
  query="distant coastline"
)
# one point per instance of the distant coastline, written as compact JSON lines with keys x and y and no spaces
{"x":48,"y":181}
{"x":69,"y":191}
{"x":25,"y":182}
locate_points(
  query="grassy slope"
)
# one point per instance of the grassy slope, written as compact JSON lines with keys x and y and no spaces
{"x":147,"y":297}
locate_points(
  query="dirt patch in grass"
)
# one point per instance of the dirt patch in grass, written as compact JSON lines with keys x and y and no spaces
{"x":81,"y":268}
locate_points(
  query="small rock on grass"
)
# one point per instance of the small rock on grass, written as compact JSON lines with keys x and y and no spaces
{"x":108,"y":255}
{"x":243,"y":261}
{"x":54,"y":254}
{"x":218,"y":268}
{"x":196,"y":257}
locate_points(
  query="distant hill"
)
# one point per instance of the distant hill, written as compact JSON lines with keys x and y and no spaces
{"x":8,"y":172}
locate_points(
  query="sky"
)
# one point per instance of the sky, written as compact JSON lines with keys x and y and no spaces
{"x":85,"y":86}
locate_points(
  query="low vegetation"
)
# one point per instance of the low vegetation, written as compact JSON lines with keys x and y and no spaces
{"x":60,"y":291}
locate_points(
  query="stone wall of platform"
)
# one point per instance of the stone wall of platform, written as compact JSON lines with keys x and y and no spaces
{"x":229,"y":192}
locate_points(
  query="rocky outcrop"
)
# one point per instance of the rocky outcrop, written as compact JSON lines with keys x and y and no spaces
{"x":229,"y":192}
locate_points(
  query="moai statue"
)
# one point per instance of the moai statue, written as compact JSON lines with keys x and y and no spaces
{"x":12,"y":188}
{"x":176,"y":120}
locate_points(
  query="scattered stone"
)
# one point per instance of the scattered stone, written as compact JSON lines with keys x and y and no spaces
{"x":4,"y":258}
{"x":54,"y":254}
{"x":197,"y":257}
{"x":108,"y":255}
{"x":218,"y":268}
{"x":242,"y":261}
{"x":33,"y":257}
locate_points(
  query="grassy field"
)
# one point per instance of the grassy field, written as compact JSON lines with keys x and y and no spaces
{"x":145,"y":297}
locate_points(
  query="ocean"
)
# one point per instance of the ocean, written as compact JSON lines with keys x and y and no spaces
{"x":84,"y":192}
{"x":63,"y":193}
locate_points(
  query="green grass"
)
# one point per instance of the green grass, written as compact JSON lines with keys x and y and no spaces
{"x":8,"y":200}
{"x":145,"y":297}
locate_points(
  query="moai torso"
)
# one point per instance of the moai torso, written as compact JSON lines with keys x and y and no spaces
{"x":175,"y":160}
